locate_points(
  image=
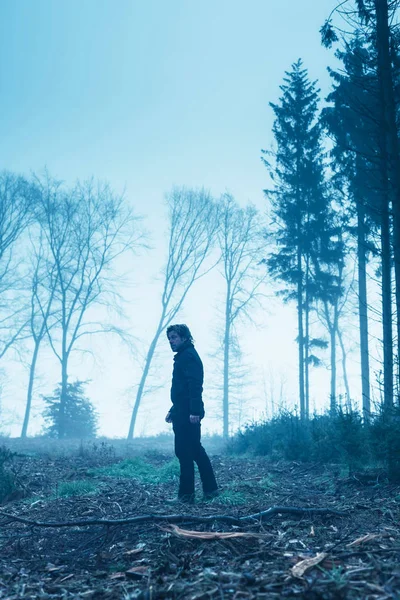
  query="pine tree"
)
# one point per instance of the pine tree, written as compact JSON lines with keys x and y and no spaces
{"x":328,"y":254}
{"x":79,"y":417}
{"x":299,"y":205}
{"x":360,"y":165}
{"x":376,"y":20}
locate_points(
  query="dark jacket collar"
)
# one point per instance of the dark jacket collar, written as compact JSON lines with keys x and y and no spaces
{"x":185,"y":346}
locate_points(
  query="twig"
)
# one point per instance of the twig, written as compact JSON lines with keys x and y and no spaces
{"x":343,"y":555}
{"x":260,"y":516}
{"x":274,"y":510}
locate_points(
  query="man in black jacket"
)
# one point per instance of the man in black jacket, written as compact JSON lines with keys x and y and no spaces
{"x":186,"y":413}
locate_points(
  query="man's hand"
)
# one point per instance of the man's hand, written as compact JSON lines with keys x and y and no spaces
{"x":168,"y":418}
{"x":194,"y":419}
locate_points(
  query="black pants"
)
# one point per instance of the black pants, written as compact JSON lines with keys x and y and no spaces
{"x":189,"y":450}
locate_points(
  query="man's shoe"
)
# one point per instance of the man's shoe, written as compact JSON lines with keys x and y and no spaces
{"x":185,"y":499}
{"x":208,"y":496}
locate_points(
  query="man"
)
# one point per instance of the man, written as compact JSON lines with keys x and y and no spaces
{"x":186,"y":413}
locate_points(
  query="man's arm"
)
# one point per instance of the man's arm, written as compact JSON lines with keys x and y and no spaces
{"x":193,"y":371}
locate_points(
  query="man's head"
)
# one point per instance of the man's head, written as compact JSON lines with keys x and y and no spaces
{"x":178,"y":335}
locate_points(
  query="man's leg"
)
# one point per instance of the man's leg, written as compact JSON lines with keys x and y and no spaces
{"x":183,"y":451}
{"x":203,"y":462}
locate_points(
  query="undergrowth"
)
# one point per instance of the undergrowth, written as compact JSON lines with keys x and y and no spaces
{"x":230,"y":497}
{"x":139,"y":469}
{"x":343,"y":438}
{"x":7,"y":477}
{"x":66,"y":489}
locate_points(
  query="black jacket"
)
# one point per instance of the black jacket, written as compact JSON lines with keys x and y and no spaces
{"x":187,"y":383}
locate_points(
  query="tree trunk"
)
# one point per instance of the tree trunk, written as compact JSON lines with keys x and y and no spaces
{"x":344,"y":370}
{"x":301,"y":336}
{"x":64,"y":392}
{"x":363,"y":309}
{"x":385,"y":75}
{"x":225,"y":401}
{"x":334,"y":331}
{"x":307,"y":344}
{"x":32,"y":369}
{"x":149,"y":358}
{"x":387,"y":326}
{"x":333,"y":370}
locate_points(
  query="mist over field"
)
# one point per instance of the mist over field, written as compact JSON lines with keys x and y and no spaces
{"x":199,"y":299}
{"x":136,"y":100}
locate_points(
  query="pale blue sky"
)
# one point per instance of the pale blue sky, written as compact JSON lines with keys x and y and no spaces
{"x":150,"y":93}
{"x":147,"y":94}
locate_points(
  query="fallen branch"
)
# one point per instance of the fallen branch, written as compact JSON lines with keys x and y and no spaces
{"x":343,"y":555}
{"x":260,"y":516}
{"x":212,"y":535}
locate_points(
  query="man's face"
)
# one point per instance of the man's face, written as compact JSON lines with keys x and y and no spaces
{"x":175,"y":341}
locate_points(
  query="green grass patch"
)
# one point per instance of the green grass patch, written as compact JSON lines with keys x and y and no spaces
{"x":139,"y":469}
{"x":66,"y":489}
{"x":230,"y":497}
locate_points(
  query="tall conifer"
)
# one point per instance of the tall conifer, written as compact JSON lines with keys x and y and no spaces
{"x":299,"y":205}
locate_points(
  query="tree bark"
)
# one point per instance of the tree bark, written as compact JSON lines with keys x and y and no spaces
{"x":307,"y":342}
{"x":32,"y":370}
{"x":387,"y":326}
{"x":363,"y":309}
{"x":344,"y":370}
{"x":143,"y":379}
{"x":64,"y":392}
{"x":301,"y":336}
{"x":333,"y":403}
{"x":225,"y":403}
{"x":385,"y":74}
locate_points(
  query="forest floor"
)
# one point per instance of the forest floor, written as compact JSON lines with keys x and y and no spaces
{"x":351,"y":553}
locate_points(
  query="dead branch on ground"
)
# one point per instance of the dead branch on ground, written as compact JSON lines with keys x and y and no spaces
{"x":259,"y":516}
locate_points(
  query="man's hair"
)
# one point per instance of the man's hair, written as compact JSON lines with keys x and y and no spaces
{"x":182,"y":330}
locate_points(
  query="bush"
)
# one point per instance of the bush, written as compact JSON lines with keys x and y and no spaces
{"x":384,"y":435}
{"x":340,"y":438}
{"x":7,"y":478}
{"x":97,"y":453}
{"x":80,"y":418}
{"x":284,"y":436}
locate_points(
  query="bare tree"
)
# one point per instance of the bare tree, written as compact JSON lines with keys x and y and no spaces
{"x":193,"y":221}
{"x":15,"y":200}
{"x":87,"y":229}
{"x":274,"y":393}
{"x":241,"y":244}
{"x":43,"y":288}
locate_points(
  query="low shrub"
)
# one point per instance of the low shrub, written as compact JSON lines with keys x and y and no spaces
{"x":97,"y":453}
{"x":341,"y":438}
{"x":384,"y":435}
{"x":7,"y":477}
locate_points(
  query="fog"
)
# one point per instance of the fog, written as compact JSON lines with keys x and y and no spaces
{"x":147,"y":96}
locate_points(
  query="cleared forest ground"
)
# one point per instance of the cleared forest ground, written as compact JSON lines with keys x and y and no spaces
{"x":354,"y":554}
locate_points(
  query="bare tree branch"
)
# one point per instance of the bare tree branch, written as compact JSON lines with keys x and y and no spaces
{"x":87,"y":229}
{"x":193,"y":222}
{"x":241,"y":245}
